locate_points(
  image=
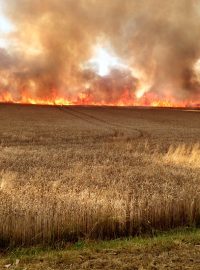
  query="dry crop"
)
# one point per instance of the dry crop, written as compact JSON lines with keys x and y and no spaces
{"x":96,"y":172}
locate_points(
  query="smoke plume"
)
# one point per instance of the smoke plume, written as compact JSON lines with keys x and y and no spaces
{"x":52,"y":40}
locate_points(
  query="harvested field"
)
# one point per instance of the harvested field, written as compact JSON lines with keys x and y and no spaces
{"x":96,"y":172}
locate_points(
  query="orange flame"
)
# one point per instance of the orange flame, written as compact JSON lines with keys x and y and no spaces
{"x":126,"y":99}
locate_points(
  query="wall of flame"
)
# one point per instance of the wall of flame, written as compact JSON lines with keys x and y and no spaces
{"x":51,"y":40}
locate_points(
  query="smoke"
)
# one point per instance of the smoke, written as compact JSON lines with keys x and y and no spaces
{"x":52,"y":40}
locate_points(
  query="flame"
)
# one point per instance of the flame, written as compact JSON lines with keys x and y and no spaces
{"x":83,"y":98}
{"x":118,"y":53}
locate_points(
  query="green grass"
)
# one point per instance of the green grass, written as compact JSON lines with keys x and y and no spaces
{"x":74,"y":254}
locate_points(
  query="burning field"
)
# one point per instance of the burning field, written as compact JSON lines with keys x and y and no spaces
{"x":73,"y":172}
{"x":89,"y":149}
{"x":93,"y":52}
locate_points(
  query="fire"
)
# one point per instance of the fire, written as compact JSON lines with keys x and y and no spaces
{"x":105,"y":80}
{"x":126,"y":99}
{"x":118,"y":53}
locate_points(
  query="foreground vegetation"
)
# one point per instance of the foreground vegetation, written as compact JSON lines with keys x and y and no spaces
{"x":96,"y":173}
{"x":172,"y":250}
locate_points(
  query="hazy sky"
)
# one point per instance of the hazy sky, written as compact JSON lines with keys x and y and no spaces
{"x":5,"y":25}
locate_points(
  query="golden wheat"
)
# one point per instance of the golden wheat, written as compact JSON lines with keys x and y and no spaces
{"x":62,"y":179}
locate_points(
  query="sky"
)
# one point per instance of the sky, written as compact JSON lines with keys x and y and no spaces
{"x":5,"y":25}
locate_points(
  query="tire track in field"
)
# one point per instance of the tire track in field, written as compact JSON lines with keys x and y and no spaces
{"x":114,"y":125}
{"x":69,"y":111}
{"x":94,"y":120}
{"x":111,"y":124}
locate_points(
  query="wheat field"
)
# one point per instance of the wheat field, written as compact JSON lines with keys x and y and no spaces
{"x":68,"y":173}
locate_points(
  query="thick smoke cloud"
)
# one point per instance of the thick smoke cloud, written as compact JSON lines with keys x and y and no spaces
{"x":52,"y":39}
